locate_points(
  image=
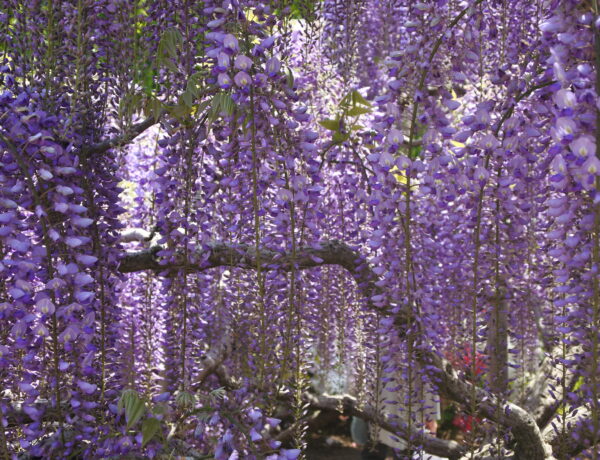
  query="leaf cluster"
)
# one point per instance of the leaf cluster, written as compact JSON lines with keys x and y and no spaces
{"x":135,"y":408}
{"x":349,"y":109}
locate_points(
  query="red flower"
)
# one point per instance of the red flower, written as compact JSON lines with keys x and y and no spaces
{"x":464,"y":422}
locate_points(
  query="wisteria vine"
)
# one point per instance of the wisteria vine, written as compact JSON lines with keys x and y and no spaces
{"x":218,"y":217}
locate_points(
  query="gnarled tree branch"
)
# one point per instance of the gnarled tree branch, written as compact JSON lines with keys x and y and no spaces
{"x":529,"y":440}
{"x":122,"y":139}
{"x":348,"y":405}
{"x":221,"y":254}
{"x":576,"y":438}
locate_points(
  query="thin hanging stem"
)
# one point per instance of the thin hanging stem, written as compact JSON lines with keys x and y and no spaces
{"x":596,"y":263}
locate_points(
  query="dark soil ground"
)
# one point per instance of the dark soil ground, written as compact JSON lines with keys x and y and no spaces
{"x":331,"y":448}
{"x":333,"y":453}
{"x":329,"y":438}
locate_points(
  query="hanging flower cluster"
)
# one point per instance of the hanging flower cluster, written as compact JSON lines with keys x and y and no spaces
{"x":218,"y":216}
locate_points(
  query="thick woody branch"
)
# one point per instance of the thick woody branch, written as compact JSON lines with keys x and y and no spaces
{"x":533,"y":394}
{"x":536,"y":399}
{"x":529,"y":441}
{"x":577,"y":437}
{"x":530,"y":444}
{"x":122,"y":139}
{"x":136,"y":234}
{"x":213,"y":365}
{"x":345,"y":404}
{"x":291,"y":430}
{"x":547,"y":407}
{"x":349,"y":406}
{"x":129,"y":135}
{"x":244,"y":256}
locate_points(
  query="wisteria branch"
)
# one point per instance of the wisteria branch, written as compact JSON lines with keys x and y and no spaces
{"x":349,"y":405}
{"x":220,"y":254}
{"x":529,"y":440}
{"x":124,"y":138}
{"x":576,"y":438}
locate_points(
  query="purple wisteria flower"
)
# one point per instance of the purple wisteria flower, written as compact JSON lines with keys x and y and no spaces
{"x":225,"y":216}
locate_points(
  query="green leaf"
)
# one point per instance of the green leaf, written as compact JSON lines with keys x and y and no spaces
{"x":185,"y":399}
{"x":331,"y":125}
{"x":145,"y":78}
{"x":160,"y":409}
{"x":218,"y":393}
{"x":133,"y":405}
{"x":140,"y":11}
{"x":357,"y":98}
{"x":169,"y":64}
{"x":356,"y":111}
{"x":153,"y":108}
{"x":180,"y":110}
{"x":290,"y":78}
{"x":228,"y":104}
{"x":125,"y":398}
{"x":187,"y":97}
{"x":150,"y":427}
{"x":338,"y":137}
{"x":203,"y":106}
{"x":194,"y":84}
{"x":215,"y":107}
{"x":415,"y":152}
{"x":170,"y":41}
{"x":134,"y":412}
{"x":346,"y":102}
{"x":221,"y":103}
